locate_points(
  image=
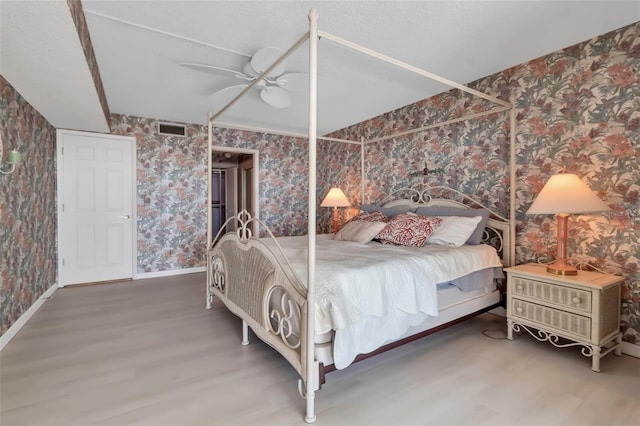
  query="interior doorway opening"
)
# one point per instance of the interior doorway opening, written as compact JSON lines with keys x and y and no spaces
{"x":234,"y":187}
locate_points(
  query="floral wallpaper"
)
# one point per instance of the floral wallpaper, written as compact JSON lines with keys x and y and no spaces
{"x":27,"y":207}
{"x":77,"y":13}
{"x":578,"y":109}
{"x":172,"y":188}
{"x":471,"y":156}
{"x":338,"y":164}
{"x":171,"y":194}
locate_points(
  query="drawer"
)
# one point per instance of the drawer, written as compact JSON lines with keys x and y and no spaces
{"x":552,"y":293}
{"x":570,"y":324}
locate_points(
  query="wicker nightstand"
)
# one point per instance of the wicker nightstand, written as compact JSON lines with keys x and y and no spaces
{"x":583,"y":308}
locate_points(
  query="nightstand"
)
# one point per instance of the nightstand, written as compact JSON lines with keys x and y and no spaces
{"x":583,"y":308}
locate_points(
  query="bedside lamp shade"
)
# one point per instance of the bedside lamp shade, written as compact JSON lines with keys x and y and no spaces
{"x":335,"y":198}
{"x":563,"y":194}
{"x":566,"y":193}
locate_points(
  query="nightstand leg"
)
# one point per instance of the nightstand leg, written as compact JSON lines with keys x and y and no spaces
{"x":509,"y":329}
{"x":595,"y":361}
{"x":618,"y":350}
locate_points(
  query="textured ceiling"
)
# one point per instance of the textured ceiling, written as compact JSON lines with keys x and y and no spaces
{"x":140,"y":46}
{"x":41,"y":56}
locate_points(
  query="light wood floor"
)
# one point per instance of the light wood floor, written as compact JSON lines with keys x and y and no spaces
{"x":148,"y":353}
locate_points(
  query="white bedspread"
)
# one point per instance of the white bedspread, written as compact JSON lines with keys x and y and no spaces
{"x":372,"y":293}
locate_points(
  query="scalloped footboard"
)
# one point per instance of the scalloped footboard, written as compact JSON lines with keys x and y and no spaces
{"x":258,"y":285}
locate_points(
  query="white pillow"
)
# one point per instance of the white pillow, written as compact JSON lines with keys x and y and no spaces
{"x":359,"y":231}
{"x":454,"y":230}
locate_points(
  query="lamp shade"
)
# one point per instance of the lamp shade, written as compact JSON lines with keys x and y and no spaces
{"x":335,"y":198}
{"x":566,"y":193}
{"x":14,"y":157}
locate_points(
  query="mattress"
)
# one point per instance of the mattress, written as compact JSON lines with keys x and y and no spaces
{"x":453,"y":303}
{"x":371,"y":294}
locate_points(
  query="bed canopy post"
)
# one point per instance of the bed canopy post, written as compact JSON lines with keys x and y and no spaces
{"x":362,"y":173}
{"x":512,"y":185}
{"x":311,"y":373}
{"x":209,"y":231}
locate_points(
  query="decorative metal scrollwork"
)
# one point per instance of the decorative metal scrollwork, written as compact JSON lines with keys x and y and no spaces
{"x":493,"y":238}
{"x":545,"y":336}
{"x":284,"y":316}
{"x":244,"y":231}
{"x":217,"y":273}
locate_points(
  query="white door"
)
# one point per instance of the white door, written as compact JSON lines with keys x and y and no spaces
{"x":96,"y":215}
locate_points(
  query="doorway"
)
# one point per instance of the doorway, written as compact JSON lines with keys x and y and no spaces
{"x":234,"y":187}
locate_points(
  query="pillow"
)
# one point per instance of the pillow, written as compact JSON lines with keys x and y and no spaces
{"x":476,"y":236}
{"x":409,"y":230}
{"x":387,"y":211}
{"x":359,"y":231}
{"x":370,"y":217}
{"x":454,"y":230}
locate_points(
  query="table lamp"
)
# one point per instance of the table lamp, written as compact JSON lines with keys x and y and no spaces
{"x":335,"y":198}
{"x":563,"y":194}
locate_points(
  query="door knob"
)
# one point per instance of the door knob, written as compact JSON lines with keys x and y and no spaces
{"x":126,"y":216}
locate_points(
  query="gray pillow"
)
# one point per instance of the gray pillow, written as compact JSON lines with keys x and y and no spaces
{"x":387,"y":211}
{"x":476,"y":237}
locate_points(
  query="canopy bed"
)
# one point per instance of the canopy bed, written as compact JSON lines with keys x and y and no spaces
{"x":323,"y":303}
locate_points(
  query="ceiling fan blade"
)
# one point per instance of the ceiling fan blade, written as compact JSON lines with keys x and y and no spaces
{"x":276,"y":96}
{"x":225,"y":95}
{"x":293,"y":81}
{"x":264,"y":58}
{"x":209,"y":68}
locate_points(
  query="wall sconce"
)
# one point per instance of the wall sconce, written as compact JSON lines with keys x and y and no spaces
{"x":13,"y":158}
{"x":335,"y":198}
{"x":565,"y":193}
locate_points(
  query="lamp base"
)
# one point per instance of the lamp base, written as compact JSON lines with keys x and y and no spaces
{"x":560,"y":268}
{"x":336,"y":227}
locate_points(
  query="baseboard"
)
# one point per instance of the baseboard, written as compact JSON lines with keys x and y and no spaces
{"x":145,"y":275}
{"x":20,"y":322}
{"x":631,"y":349}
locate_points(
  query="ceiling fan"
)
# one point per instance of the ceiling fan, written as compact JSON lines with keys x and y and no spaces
{"x":274,"y":88}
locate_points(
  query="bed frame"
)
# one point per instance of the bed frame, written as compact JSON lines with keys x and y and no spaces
{"x":258,"y":284}
{"x":277,"y":284}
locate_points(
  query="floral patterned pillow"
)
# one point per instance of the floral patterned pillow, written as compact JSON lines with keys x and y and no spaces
{"x":370,"y":217}
{"x":409,"y":230}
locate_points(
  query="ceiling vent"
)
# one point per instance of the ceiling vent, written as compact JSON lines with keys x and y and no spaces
{"x":172,"y":129}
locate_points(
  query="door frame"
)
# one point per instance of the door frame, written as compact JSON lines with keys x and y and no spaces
{"x":60,"y":194}
{"x":255,"y":182}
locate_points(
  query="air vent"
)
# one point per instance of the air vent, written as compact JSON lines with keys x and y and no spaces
{"x":172,"y":129}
